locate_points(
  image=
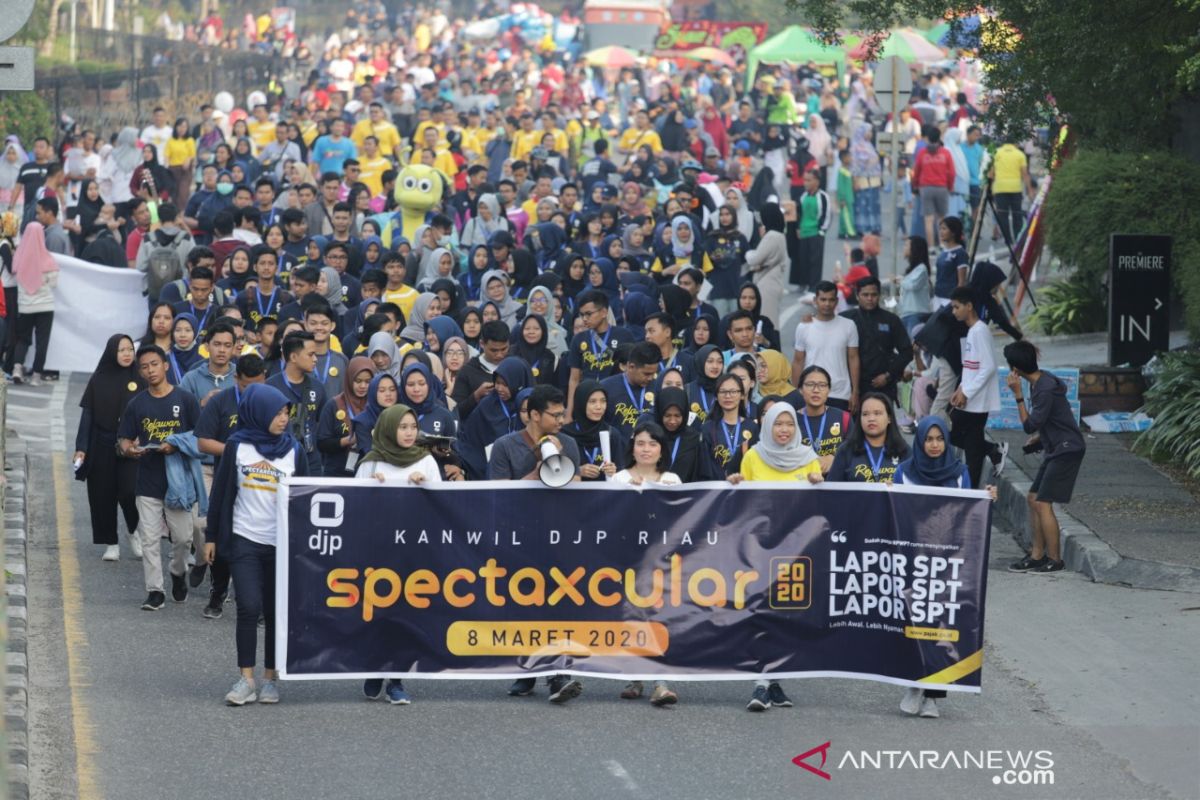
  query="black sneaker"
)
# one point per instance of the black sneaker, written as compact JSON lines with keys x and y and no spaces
{"x":778,"y":698}
{"x":373,"y":688}
{"x":179,"y":588}
{"x":215,"y":607}
{"x":196,"y":575}
{"x":760,"y":700}
{"x":1027,"y":563}
{"x":522,"y":687}
{"x":564,"y":688}
{"x":999,"y":458}
{"x":154,"y":601}
{"x":1048,"y":567}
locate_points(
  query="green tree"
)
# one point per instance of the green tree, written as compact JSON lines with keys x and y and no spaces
{"x":1113,"y":70}
{"x":26,"y":115}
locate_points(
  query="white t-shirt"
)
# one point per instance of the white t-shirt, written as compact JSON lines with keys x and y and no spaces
{"x":666,"y":479}
{"x":157,"y":137}
{"x":824,"y":343}
{"x":980,"y":380}
{"x":427,"y":466}
{"x":258,"y":484}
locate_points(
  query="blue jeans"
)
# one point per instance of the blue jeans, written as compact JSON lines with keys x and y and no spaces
{"x":253,"y":568}
{"x":867,"y":214}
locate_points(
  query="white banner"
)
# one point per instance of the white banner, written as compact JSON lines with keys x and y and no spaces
{"x":92,"y":303}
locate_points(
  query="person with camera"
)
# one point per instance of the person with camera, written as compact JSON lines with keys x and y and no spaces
{"x":1048,"y":416}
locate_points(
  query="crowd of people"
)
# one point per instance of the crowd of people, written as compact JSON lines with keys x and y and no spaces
{"x":605,"y":266}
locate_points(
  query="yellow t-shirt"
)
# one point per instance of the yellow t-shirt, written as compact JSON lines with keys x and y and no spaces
{"x":523,"y":144}
{"x":1008,"y":163}
{"x":632,"y":139}
{"x":180,"y":151}
{"x":560,"y":141}
{"x":755,"y":469}
{"x":404,"y":297}
{"x":385,"y":132}
{"x":419,"y":134}
{"x":476,"y":140}
{"x":372,"y":172}
{"x":261,"y":133}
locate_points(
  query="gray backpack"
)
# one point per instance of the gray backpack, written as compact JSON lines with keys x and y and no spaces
{"x":163,"y":265}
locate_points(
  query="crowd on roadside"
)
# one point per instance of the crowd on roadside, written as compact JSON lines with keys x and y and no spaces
{"x":601,"y":259}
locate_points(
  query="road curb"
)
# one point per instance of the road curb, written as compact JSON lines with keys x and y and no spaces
{"x":1083,"y":550}
{"x":16,"y":686}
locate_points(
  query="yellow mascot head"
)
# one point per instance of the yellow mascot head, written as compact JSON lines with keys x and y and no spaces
{"x":419,"y":188}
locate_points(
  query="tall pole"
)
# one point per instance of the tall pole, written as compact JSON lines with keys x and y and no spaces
{"x":894,"y":162}
{"x":74,"y":3}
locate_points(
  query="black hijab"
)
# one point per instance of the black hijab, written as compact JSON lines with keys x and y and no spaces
{"x":572,"y":287}
{"x":584,"y":431}
{"x":703,"y":381}
{"x":678,"y":304}
{"x":683,"y":445}
{"x":111,"y":387}
{"x":772,"y":217}
{"x":531,"y":354}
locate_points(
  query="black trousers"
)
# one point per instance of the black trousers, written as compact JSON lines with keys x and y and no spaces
{"x":967,"y":430}
{"x":111,"y":482}
{"x":809,"y":265}
{"x":253,"y":566}
{"x":10,"y":328}
{"x":28,"y":326}
{"x":1008,"y":209}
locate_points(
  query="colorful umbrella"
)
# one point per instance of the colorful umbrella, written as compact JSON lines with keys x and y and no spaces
{"x":611,"y":57}
{"x":904,"y":42}
{"x":937,"y":33}
{"x":713,"y":54}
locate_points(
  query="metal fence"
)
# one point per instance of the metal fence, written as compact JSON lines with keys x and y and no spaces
{"x":118,"y":79}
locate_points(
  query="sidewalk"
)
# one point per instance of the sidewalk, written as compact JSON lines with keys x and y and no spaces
{"x":1128,"y":522}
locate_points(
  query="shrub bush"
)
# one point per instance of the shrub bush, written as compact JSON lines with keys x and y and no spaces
{"x":1172,"y":401}
{"x":1097,"y":193}
{"x":1070,"y":305}
{"x":26,"y":115}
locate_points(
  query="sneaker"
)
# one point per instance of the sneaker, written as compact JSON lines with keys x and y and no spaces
{"x":396,"y":694}
{"x":662,"y":696}
{"x":911,"y":702}
{"x":778,"y":698}
{"x":760,"y":700}
{"x":112,"y":553}
{"x":135,"y":545}
{"x":154,"y":601}
{"x":373,"y":688}
{"x":241,"y":693}
{"x":179,"y":588}
{"x":212,"y":611}
{"x":18,"y":373}
{"x":564,"y":688}
{"x":1048,"y":567}
{"x":929,"y":708}
{"x":35,"y":379}
{"x":999,"y":458}
{"x":196,"y":575}
{"x":522,"y":687}
{"x":269,"y":693}
{"x":1027,"y":563}
{"x":632,"y":691}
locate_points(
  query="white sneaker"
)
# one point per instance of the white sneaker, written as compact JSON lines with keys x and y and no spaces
{"x":18,"y":374}
{"x":911,"y":702}
{"x":929,"y":708}
{"x":135,"y":544}
{"x":112,"y":553}
{"x":35,"y":379}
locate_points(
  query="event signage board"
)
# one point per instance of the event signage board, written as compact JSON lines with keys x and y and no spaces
{"x":700,"y":582}
{"x":1139,"y":298}
{"x":708,"y":33}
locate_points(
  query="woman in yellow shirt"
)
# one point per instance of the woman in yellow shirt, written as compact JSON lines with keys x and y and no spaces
{"x":779,"y":455}
{"x":181,"y":161}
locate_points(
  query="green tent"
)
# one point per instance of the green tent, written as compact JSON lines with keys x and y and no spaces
{"x":795,"y":45}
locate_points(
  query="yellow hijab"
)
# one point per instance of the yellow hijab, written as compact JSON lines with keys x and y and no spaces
{"x":778,"y":372}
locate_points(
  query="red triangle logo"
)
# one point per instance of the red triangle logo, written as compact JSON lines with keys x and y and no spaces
{"x":801,"y":761}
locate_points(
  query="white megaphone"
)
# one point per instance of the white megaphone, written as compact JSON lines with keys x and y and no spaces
{"x":556,"y":470}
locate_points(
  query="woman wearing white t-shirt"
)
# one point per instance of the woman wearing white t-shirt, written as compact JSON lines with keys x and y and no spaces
{"x":397,"y":460}
{"x":259,"y":455}
{"x":649,"y":457}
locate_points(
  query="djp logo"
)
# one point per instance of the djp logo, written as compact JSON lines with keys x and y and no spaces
{"x":791,"y":583}
{"x":326,"y":510}
{"x":801,"y":761}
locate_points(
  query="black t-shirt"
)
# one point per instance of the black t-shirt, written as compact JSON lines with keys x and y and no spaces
{"x":149,"y":419}
{"x":829,"y":429}
{"x":218,"y":417}
{"x":593,"y":353}
{"x":626,"y":403}
{"x":851,"y":467}
{"x":725,"y":445}
{"x":254,"y":306}
{"x":32,"y":175}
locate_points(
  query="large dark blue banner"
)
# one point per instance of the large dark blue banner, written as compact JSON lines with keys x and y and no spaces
{"x":701,"y":582}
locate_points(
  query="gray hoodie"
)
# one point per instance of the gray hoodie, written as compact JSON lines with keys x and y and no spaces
{"x":1051,"y":417}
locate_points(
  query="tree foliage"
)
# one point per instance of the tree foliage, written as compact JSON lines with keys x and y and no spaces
{"x":26,"y":115}
{"x":1114,"y":70}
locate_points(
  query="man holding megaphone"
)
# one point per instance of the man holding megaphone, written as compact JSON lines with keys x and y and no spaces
{"x":537,"y":452}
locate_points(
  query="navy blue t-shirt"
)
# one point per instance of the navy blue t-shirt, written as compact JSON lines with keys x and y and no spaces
{"x":218,"y":417}
{"x":593,"y":353}
{"x":149,"y":419}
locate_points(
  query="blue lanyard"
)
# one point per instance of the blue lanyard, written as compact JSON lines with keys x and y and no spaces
{"x":325,"y":374}
{"x":735,"y":438}
{"x":703,"y":402}
{"x":675,"y":449}
{"x":666,"y":365}
{"x":270,"y":304}
{"x":815,"y":442}
{"x":507,"y":414}
{"x":201,"y":321}
{"x":596,"y":348}
{"x":638,"y":401}
{"x":591,"y":454}
{"x":237,"y":395}
{"x":175,"y":369}
{"x":876,"y":463}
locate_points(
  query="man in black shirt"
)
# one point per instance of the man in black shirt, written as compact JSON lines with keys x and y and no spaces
{"x":31,"y":177}
{"x":303,"y":391}
{"x":884,"y":348}
{"x":474,"y":381}
{"x":151,"y":417}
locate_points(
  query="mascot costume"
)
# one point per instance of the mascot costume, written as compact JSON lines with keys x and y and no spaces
{"x":419,"y":188}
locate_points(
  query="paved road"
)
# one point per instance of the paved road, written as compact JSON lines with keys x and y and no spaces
{"x":127,"y":705}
